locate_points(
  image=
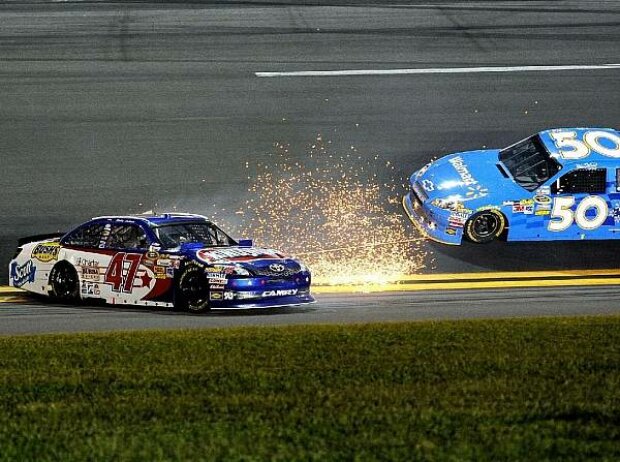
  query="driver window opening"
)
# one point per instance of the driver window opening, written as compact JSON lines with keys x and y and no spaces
{"x":127,"y":237}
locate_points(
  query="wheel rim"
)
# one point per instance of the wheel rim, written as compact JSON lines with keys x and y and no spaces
{"x":64,"y":282}
{"x":486,"y":225}
{"x":194,"y":290}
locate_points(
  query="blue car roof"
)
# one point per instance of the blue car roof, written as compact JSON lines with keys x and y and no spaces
{"x":579,"y":132}
{"x":157,"y":219}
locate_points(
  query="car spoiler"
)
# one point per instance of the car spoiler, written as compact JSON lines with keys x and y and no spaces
{"x":38,"y":237}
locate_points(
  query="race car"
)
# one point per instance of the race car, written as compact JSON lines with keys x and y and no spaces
{"x":172,"y":260}
{"x":559,"y":184}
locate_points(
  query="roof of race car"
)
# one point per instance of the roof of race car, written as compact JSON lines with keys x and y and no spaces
{"x":156,"y":219}
{"x":578,"y":137}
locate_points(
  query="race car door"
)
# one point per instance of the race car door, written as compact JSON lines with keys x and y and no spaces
{"x":580,"y":206}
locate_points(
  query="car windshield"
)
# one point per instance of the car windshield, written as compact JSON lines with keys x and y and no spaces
{"x":174,"y":235}
{"x":529,"y":163}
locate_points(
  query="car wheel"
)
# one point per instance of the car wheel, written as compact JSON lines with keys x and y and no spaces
{"x":192,"y":290}
{"x":64,"y":283}
{"x":485,"y":226}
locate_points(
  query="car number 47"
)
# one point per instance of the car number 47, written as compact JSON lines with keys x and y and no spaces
{"x":562,"y":217}
{"x":122,"y":271}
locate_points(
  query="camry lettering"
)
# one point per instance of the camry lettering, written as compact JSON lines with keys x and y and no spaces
{"x":279,"y":293}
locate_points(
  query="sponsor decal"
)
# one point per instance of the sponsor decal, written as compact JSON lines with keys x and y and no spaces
{"x":22,"y":274}
{"x":541,"y":199}
{"x":90,"y":288}
{"x":46,"y":251}
{"x":217,"y":281}
{"x":217,"y":295}
{"x":543,"y":191}
{"x":170,"y":272}
{"x":428,"y":185}
{"x":277,"y":267}
{"x":451,"y":231}
{"x":588,"y":166}
{"x":487,"y":207}
{"x":457,"y":219}
{"x":152,"y":255}
{"x":525,"y":207}
{"x":89,"y":268}
{"x":476,"y":192}
{"x":164,"y":262}
{"x":279,"y":293}
{"x":542,"y":212}
{"x":160,"y":272}
{"x":217,"y":287}
{"x":235,"y":253}
{"x":614,"y":211}
{"x":461,"y":168}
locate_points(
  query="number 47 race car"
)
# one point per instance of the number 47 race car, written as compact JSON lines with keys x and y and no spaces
{"x":561,"y":184}
{"x":171,"y":260}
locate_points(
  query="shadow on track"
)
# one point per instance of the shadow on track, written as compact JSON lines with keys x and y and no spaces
{"x":536,"y":256}
{"x":100,"y":305}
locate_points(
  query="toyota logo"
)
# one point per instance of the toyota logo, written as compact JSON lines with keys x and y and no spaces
{"x":276,"y":267}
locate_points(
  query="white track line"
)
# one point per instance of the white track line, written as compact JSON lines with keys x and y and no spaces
{"x":436,"y":70}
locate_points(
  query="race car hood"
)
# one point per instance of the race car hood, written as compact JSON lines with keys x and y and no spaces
{"x":470,"y":177}
{"x":258,"y":260}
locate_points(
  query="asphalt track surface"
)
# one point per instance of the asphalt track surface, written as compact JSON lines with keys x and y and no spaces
{"x":37,"y":318}
{"x":120,"y":107}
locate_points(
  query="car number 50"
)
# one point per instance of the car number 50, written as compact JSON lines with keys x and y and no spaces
{"x":562,"y":217}
{"x":570,"y":147}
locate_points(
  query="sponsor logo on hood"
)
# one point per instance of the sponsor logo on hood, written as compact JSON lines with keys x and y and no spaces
{"x":235,"y":254}
{"x":461,"y":168}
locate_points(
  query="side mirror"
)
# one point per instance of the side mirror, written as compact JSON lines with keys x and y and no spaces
{"x":245,"y":243}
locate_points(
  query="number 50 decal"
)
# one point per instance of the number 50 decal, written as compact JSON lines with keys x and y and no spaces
{"x":571,"y":148}
{"x":562,"y":216}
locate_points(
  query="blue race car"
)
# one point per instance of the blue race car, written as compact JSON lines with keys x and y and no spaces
{"x":560,"y":184}
{"x":173,"y":260}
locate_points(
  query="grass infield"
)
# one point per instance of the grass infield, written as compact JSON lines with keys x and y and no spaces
{"x":468,"y":390}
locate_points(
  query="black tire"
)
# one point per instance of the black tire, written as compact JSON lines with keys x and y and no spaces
{"x":485,"y":226}
{"x":192,"y":290}
{"x":64,"y":283}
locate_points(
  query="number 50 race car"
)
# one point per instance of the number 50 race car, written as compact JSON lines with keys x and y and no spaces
{"x":173,"y":260}
{"x":561,"y":184}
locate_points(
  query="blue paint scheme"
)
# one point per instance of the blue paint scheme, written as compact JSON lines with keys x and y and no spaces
{"x":474,"y":181}
{"x":253,"y":287}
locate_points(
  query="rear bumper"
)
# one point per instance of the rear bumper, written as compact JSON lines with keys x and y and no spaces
{"x":434,"y":230}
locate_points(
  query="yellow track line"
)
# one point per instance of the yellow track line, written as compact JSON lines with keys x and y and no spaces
{"x":407,"y":287}
{"x":451,"y":277}
{"x":446,"y":281}
{"x":10,"y":290}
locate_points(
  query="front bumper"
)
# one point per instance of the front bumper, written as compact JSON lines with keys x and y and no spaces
{"x":434,"y":230}
{"x":264,"y":292}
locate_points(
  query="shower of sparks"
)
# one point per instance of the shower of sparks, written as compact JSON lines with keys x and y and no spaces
{"x":332,"y":211}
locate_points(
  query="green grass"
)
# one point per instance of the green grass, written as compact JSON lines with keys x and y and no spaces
{"x":471,"y":390}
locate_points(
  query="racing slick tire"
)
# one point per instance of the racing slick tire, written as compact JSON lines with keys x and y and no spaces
{"x":192,"y":290}
{"x":64,"y":282}
{"x":485,"y":226}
